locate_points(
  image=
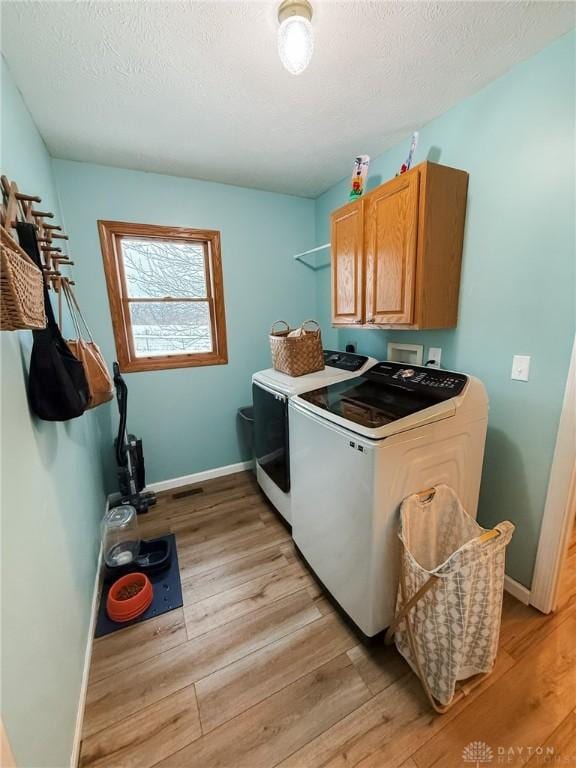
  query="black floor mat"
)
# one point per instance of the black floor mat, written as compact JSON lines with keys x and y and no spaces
{"x":167,"y":596}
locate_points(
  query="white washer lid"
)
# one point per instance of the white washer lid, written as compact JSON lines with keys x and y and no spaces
{"x":437,"y":412}
{"x":295,"y":385}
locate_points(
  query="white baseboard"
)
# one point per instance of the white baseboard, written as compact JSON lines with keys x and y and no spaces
{"x":199,"y":477}
{"x":517,"y":590}
{"x":87,"y":660}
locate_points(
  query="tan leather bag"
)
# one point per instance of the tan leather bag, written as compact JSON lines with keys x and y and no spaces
{"x":99,"y":382}
{"x":88,"y":352}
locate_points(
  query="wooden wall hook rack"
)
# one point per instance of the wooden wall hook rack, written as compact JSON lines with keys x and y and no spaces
{"x":28,"y":198}
{"x":18,"y":207}
{"x":42,"y":214}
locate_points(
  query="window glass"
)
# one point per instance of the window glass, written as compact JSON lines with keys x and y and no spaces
{"x":170,"y":327}
{"x":158,"y":268}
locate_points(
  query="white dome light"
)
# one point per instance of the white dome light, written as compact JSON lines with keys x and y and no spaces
{"x":295,"y":35}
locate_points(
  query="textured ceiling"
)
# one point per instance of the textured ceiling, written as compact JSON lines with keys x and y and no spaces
{"x":197,"y":89}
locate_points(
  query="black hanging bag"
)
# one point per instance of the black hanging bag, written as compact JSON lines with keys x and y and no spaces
{"x":57,"y":385}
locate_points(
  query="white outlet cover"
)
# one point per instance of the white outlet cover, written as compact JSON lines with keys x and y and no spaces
{"x":520,"y":367}
{"x":435,"y":353}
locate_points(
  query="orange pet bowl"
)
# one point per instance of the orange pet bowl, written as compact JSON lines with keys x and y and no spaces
{"x":129,"y":597}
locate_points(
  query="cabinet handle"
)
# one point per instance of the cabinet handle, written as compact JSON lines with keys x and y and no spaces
{"x":356,"y":321}
{"x":371,"y":320}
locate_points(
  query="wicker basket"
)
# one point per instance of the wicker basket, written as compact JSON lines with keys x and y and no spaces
{"x":21,"y":288}
{"x":297,"y":355}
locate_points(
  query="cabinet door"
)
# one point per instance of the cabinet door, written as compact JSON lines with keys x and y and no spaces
{"x":347,"y":246}
{"x":391,"y":216}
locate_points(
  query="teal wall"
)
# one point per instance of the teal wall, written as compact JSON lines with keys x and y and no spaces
{"x":52,"y":498}
{"x":516,"y":139}
{"x":187,"y":416}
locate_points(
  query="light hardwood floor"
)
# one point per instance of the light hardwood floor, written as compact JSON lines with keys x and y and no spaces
{"x":257,"y":669}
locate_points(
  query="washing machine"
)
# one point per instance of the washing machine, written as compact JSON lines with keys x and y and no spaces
{"x":357,"y":449}
{"x":271,"y":391}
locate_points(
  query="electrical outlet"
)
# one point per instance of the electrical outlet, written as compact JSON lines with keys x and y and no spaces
{"x":520,"y":367}
{"x":435,"y":353}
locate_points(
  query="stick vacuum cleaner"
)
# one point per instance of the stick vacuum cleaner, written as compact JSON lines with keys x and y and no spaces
{"x":129,"y":457}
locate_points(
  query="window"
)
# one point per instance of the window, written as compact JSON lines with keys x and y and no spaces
{"x":166,"y":295}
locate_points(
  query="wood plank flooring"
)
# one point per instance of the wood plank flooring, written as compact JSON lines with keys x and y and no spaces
{"x":257,"y":670}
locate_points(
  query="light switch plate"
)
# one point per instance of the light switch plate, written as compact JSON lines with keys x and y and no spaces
{"x":435,"y":353}
{"x":520,"y":367}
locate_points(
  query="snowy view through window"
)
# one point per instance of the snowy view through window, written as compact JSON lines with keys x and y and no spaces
{"x":154,"y":270}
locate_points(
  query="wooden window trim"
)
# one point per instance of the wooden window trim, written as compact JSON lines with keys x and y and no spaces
{"x":111,"y":233}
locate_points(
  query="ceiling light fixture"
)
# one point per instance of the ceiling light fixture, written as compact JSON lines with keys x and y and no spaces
{"x":295,"y":35}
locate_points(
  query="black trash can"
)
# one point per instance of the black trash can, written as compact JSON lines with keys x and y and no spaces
{"x":246,"y":431}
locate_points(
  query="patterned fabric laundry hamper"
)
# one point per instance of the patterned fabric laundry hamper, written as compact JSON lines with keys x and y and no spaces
{"x":449,"y":601}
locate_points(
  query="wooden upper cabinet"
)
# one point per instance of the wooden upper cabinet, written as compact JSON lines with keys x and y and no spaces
{"x":347,"y":264}
{"x":396,"y":252}
{"x":391,"y":219}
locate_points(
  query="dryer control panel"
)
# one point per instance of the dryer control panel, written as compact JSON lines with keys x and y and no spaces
{"x":438,"y":383}
{"x":346,"y":361}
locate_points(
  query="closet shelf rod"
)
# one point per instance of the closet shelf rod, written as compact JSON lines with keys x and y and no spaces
{"x":298,"y":256}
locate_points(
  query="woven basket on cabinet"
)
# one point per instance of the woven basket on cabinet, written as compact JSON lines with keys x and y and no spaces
{"x":21,"y":288}
{"x":297,"y":355}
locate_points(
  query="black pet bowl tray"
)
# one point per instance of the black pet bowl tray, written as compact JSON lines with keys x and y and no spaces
{"x":166,"y":585}
{"x":154,"y":557}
